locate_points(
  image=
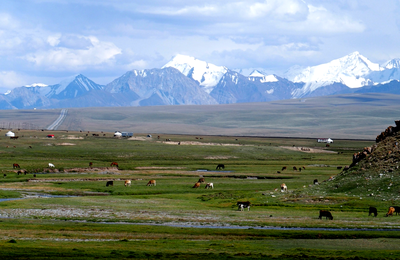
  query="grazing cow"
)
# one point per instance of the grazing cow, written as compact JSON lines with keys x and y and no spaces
{"x":114,"y":164}
{"x":151,"y":183}
{"x":127,"y":183}
{"x":90,"y":164}
{"x":201,"y":180}
{"x":396,"y":209}
{"x":304,"y":168}
{"x":196,"y":185}
{"x":283,"y":187}
{"x":220,"y":166}
{"x":339,"y":167}
{"x":16,"y":165}
{"x":210,"y":185}
{"x":51,"y":165}
{"x":4,"y":175}
{"x":390,"y":212}
{"x":326,"y":214}
{"x":110,"y":183}
{"x":316,"y":182}
{"x":373,"y":210}
{"x":294,"y":168}
{"x":283,"y":168}
{"x":243,"y":204}
{"x":30,"y":147}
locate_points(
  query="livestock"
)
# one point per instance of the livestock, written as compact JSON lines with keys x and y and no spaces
{"x":51,"y":165}
{"x":316,"y":182}
{"x":196,"y":185}
{"x":339,"y":167}
{"x":151,"y":183}
{"x":283,"y":187}
{"x":110,"y":183}
{"x":243,"y":204}
{"x":283,"y":168}
{"x":114,"y":164}
{"x":201,"y":180}
{"x":326,"y":214}
{"x":16,"y":165}
{"x":127,"y":183}
{"x":90,"y":164}
{"x":4,"y":175}
{"x":210,"y":185}
{"x":390,"y":212}
{"x":294,"y":168}
{"x":14,"y":137}
{"x":373,"y":210}
{"x":396,"y":209}
{"x":220,"y":166}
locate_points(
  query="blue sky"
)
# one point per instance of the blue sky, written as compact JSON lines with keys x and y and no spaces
{"x":45,"y":41}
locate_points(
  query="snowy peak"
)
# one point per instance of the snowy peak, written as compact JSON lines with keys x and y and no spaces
{"x":257,"y":75}
{"x":392,"y":64}
{"x":72,"y":87}
{"x":206,"y":74}
{"x":350,"y":70}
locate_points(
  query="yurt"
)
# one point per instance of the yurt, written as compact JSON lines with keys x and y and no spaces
{"x":117,"y":134}
{"x":10,"y":134}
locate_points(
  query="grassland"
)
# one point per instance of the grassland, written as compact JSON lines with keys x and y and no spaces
{"x":360,"y":116}
{"x":84,"y":219}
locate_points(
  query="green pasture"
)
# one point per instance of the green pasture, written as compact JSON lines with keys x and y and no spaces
{"x":85,"y":219}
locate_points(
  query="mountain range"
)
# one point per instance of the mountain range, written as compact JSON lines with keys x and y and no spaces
{"x":188,"y":81}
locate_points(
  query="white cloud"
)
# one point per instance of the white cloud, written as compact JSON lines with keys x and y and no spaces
{"x":63,"y":58}
{"x":10,"y":79}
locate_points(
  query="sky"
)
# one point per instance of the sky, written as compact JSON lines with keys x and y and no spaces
{"x":46,"y":41}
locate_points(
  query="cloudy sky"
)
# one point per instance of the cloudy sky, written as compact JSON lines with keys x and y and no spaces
{"x":45,"y":41}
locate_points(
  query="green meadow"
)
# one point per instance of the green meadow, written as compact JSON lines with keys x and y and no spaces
{"x":69,"y":212}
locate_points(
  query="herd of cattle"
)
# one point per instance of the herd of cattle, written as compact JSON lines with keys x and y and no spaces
{"x":240,"y":204}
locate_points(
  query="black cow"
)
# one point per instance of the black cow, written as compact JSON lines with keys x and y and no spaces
{"x":220,"y":166}
{"x":243,"y":204}
{"x":110,"y":183}
{"x":326,"y":214}
{"x":316,"y":182}
{"x":373,"y":210}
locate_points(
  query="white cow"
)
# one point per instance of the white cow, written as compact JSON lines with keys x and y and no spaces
{"x":127,"y":183}
{"x":51,"y":165}
{"x":283,"y":187}
{"x":243,"y":204}
{"x":210,"y":185}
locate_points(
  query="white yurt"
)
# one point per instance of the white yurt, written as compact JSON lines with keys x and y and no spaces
{"x":10,"y":134}
{"x":117,"y":134}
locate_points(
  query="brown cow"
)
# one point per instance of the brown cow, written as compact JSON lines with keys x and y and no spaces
{"x":114,"y":164}
{"x":283,"y":168}
{"x":151,"y":183}
{"x":294,"y":168}
{"x":326,"y":214}
{"x":390,"y":212}
{"x":201,"y":180}
{"x":90,"y":164}
{"x":283,"y":187}
{"x":16,"y":165}
{"x":127,"y":183}
{"x":196,"y":185}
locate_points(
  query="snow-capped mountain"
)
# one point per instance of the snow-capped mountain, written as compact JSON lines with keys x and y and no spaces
{"x":165,"y":86}
{"x":351,"y":70}
{"x":189,"y":81}
{"x":71,"y":88}
{"x":206,"y":74}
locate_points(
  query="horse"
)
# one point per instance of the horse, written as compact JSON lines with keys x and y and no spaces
{"x":16,"y":165}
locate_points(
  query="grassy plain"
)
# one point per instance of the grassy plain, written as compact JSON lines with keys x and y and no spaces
{"x":85,"y":219}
